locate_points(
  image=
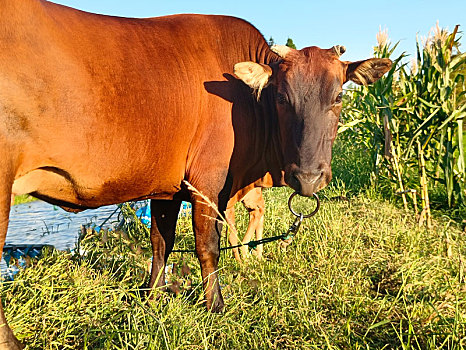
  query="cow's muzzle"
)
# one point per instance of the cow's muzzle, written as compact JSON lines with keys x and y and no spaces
{"x":308,"y":182}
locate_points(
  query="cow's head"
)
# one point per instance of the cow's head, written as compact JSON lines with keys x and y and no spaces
{"x":308,"y":96}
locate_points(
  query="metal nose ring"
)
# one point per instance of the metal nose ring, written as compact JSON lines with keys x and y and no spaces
{"x":301,"y":214}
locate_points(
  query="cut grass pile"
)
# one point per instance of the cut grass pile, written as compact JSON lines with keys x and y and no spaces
{"x":357,"y":275}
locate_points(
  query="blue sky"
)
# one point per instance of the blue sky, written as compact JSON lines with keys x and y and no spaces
{"x":353,"y":24}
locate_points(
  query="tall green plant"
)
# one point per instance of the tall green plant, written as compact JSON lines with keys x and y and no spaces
{"x":437,"y":108}
{"x":423,"y":105}
{"x":369,"y":118}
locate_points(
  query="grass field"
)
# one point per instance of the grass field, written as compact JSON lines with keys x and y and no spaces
{"x":359,"y":275}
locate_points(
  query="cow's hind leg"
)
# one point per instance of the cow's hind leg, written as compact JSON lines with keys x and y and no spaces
{"x":232,"y":232}
{"x":164,"y":214}
{"x":7,"y":340}
{"x":259,"y":234}
{"x":255,"y":205}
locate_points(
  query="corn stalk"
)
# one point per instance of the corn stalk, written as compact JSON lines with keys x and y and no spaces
{"x":424,"y":106}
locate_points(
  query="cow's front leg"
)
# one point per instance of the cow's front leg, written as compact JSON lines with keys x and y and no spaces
{"x":207,"y":229}
{"x":7,"y":339}
{"x":164,"y":214}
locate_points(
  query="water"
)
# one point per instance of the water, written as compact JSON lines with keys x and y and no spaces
{"x":42,"y":223}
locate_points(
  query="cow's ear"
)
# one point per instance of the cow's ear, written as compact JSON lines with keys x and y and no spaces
{"x":368,"y":71}
{"x":255,"y":75}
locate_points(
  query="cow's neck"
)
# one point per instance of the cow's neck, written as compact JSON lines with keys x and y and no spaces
{"x":257,"y":159}
{"x":272,"y":155}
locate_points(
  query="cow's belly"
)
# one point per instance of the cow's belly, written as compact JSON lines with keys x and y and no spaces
{"x":95,"y":189}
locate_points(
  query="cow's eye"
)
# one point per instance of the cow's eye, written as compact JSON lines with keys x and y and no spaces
{"x":339,"y":98}
{"x":281,"y":98}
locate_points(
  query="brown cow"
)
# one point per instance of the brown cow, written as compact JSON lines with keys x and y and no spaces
{"x":96,"y":110}
{"x":254,"y":203}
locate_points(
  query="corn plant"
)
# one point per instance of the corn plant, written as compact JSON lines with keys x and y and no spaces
{"x":369,"y":120}
{"x":437,"y":107}
{"x":411,"y":121}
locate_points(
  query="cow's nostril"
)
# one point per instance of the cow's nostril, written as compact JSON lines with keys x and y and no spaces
{"x":297,"y":182}
{"x":294,"y":182}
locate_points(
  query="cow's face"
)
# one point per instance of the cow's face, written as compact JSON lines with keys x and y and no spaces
{"x":308,"y":96}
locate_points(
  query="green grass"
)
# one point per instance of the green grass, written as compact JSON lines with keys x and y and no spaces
{"x":359,"y":275}
{"x":24,"y":198}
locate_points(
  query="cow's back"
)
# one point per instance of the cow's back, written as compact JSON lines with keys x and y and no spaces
{"x":93,"y":102}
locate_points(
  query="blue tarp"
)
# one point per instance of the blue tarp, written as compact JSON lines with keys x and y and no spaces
{"x":143,"y":213}
{"x":19,"y":252}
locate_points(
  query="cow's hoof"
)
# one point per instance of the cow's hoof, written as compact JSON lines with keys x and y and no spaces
{"x":217,"y":306}
{"x":218,"y":309}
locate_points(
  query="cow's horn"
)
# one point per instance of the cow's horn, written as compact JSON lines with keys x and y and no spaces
{"x":281,"y":50}
{"x":339,"y":50}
